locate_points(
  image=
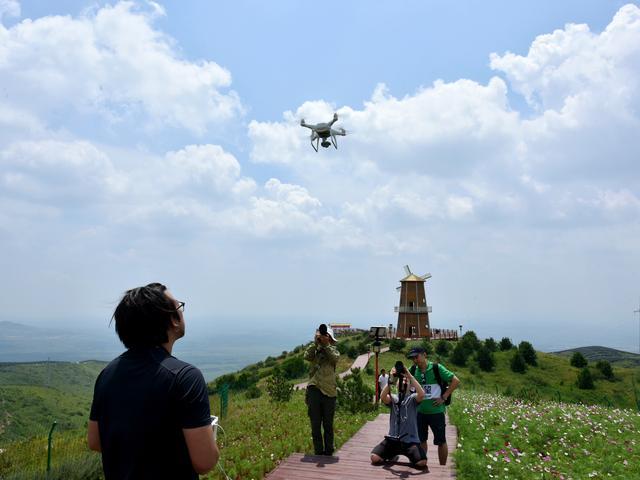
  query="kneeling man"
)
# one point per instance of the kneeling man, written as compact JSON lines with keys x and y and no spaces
{"x":403,"y":427}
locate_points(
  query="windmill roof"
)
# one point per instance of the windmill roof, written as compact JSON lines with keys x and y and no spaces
{"x":412,"y":278}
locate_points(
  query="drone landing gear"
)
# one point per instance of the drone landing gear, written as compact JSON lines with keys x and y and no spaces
{"x":315,"y":147}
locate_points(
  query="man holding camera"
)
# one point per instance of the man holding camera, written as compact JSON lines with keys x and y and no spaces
{"x":431,"y":413}
{"x":403,"y":436}
{"x":322,"y":388}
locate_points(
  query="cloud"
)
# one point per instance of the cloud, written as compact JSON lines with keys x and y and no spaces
{"x":112,"y":61}
{"x":10,"y":8}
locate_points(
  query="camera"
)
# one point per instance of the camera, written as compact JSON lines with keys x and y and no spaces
{"x":322,"y":329}
{"x":400,"y":370}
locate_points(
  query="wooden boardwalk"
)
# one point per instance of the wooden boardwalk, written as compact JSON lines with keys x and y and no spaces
{"x":353,"y":462}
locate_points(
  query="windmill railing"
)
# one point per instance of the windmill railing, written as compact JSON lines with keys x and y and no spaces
{"x":412,"y":309}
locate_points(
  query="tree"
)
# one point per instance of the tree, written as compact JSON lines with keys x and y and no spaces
{"x":459,"y":355}
{"x":353,"y":394}
{"x":278,"y":388}
{"x":491,"y":344}
{"x":518,"y":364}
{"x":585,"y":380}
{"x":528,"y":353}
{"x":470,"y":341}
{"x":605,"y":369}
{"x":505,"y":344}
{"x":397,"y":344}
{"x":443,"y":348}
{"x":486,"y":361}
{"x":352,"y":352}
{"x":578,"y":360}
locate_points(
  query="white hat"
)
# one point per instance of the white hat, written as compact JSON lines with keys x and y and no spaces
{"x":330,"y":333}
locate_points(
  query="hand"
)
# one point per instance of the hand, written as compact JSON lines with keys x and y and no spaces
{"x":324,"y":340}
{"x":438,"y":401}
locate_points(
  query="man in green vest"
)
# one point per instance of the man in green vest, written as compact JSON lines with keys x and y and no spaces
{"x":431,"y":411}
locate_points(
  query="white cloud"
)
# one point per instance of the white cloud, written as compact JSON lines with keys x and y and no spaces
{"x":10,"y":8}
{"x":114,"y":62}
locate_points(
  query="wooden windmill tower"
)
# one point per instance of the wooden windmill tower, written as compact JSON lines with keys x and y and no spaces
{"x":413,"y":312}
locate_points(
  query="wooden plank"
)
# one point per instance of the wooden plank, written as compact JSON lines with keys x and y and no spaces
{"x":352,"y":461}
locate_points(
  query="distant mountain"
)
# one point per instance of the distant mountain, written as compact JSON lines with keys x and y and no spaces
{"x":613,"y":356}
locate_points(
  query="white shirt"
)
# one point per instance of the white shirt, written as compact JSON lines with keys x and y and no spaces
{"x":383,"y":380}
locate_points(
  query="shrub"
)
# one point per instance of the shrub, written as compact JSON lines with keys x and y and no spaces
{"x":278,"y":388}
{"x":518,"y":364}
{"x":578,"y":360}
{"x":605,"y":368}
{"x":293,"y":367}
{"x":486,"y":361}
{"x":443,"y":348}
{"x":470,"y":341}
{"x":505,"y":344}
{"x":397,"y":344}
{"x":269,"y":362}
{"x":342,"y":347}
{"x":491,"y":344}
{"x":352,"y":352}
{"x":528,"y":353}
{"x":363,"y":347}
{"x":353,"y":394}
{"x":427,"y":345}
{"x":459,"y":355}
{"x":253,"y":392}
{"x":585,"y":380}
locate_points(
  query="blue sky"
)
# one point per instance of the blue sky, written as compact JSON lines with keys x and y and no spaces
{"x":493,"y":144}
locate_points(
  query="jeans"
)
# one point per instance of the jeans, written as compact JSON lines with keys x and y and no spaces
{"x":321,"y":410}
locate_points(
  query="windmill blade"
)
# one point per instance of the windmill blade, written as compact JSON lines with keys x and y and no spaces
{"x":426,"y":276}
{"x":398,"y":289}
{"x":407,"y":270}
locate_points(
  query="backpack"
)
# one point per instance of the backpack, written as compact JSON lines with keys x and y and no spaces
{"x":436,"y":372}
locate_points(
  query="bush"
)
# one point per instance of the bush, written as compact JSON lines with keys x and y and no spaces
{"x":342,"y":347}
{"x":427,"y":345}
{"x":352,"y":352}
{"x":363,"y":347}
{"x":470,"y":341}
{"x":585,"y":380}
{"x":578,"y":360}
{"x":253,"y":392}
{"x":269,"y":362}
{"x":491,"y":344}
{"x":605,"y":369}
{"x":293,"y":367}
{"x":505,"y":344}
{"x":278,"y":388}
{"x":518,"y":364}
{"x":443,"y":348}
{"x":528,"y":353}
{"x":486,"y":362}
{"x":459,"y":355}
{"x":354,"y":395}
{"x":397,"y":344}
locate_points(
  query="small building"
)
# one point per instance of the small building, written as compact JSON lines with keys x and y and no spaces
{"x":341,"y":328}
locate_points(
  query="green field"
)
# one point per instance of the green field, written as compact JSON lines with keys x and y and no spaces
{"x":506,"y":420}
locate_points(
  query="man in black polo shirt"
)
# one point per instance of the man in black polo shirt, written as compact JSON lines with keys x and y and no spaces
{"x":150,"y":414}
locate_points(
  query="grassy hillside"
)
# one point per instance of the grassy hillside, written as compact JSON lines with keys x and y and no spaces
{"x":553,"y":378}
{"x":615,"y":357}
{"x":33,"y":395}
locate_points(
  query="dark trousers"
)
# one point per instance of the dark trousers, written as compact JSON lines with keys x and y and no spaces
{"x":321,"y":410}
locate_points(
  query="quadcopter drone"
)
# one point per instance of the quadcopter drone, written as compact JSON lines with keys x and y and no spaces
{"x":324,"y":131}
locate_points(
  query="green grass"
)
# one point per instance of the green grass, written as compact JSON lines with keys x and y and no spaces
{"x":553,"y":378}
{"x":501,"y":437}
{"x":259,"y":434}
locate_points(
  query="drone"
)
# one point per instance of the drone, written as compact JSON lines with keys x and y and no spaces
{"x":324,"y":131}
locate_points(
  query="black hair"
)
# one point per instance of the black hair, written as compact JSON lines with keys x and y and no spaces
{"x":144,"y":315}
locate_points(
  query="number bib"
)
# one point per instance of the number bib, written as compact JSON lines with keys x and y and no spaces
{"x":432,"y":390}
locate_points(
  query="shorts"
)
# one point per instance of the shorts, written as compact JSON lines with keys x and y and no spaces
{"x":437,"y":424}
{"x":387,"y":449}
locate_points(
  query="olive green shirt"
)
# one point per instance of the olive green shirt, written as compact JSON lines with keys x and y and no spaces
{"x":322,"y":372}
